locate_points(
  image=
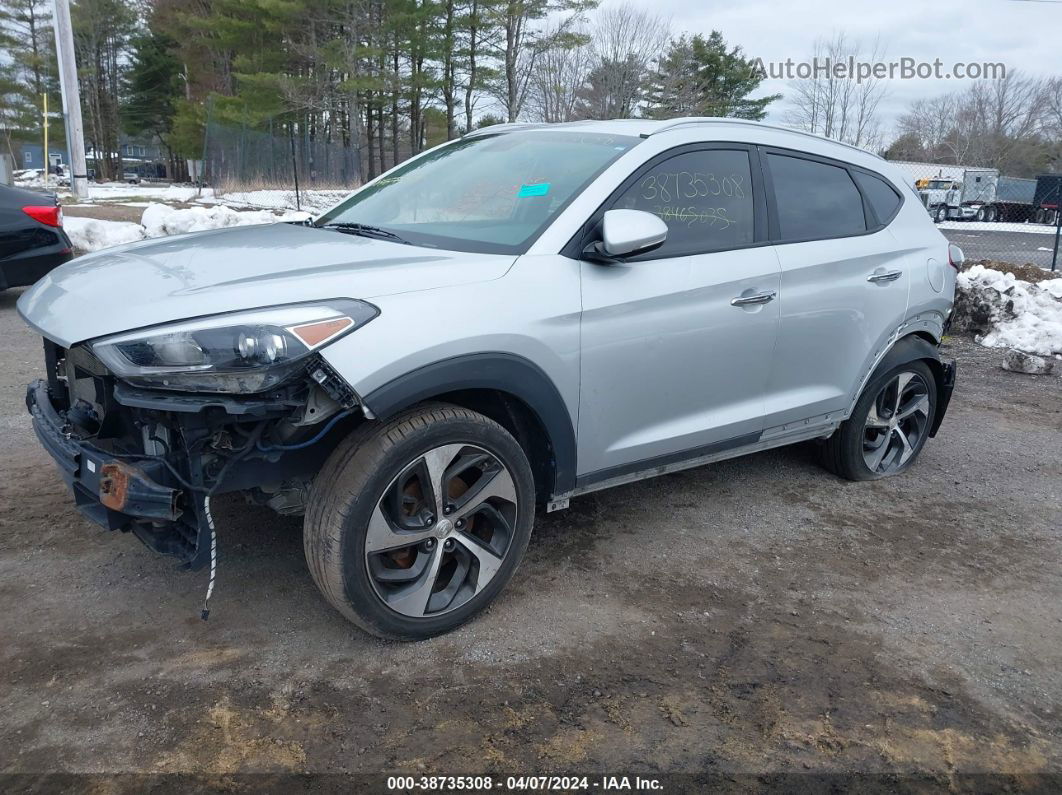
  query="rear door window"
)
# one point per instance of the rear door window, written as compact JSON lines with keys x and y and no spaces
{"x":883,"y":199}
{"x":814,"y":200}
{"x":704,"y":196}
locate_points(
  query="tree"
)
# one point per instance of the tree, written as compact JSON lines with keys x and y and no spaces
{"x":559,"y":74}
{"x":839,"y":107}
{"x":522,"y":40}
{"x":102,"y":32}
{"x":488,"y":120}
{"x":1004,"y":124}
{"x":153,"y":88}
{"x":625,"y":41}
{"x":704,"y":77}
{"x":28,"y":71}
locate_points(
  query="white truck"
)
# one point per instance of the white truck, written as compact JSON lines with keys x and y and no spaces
{"x":978,"y":194}
{"x":959,"y":197}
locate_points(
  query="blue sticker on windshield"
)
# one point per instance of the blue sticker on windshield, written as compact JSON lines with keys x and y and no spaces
{"x":540,"y":189}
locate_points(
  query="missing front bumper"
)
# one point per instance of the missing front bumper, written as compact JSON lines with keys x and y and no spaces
{"x":117,"y":493}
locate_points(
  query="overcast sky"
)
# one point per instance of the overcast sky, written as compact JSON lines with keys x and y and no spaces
{"x":1022,"y":34}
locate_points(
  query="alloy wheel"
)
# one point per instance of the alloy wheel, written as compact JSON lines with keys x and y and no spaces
{"x":897,"y":423}
{"x":441,"y":530}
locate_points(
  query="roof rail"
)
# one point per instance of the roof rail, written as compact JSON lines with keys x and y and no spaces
{"x":688,"y":121}
{"x":507,"y":127}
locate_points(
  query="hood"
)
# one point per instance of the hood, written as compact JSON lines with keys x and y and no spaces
{"x":226,"y":270}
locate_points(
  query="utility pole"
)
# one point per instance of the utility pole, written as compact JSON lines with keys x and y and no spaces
{"x":75,"y":133}
{"x":47,"y":162}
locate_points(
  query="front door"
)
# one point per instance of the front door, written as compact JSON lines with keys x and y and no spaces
{"x":677,"y":343}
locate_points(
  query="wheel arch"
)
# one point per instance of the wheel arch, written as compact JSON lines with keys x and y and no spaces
{"x":917,"y":346}
{"x":512,"y":391}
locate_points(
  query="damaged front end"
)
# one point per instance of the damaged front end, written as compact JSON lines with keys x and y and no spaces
{"x":147,"y":460}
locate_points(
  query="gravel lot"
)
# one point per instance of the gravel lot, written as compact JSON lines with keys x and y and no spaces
{"x":753,"y":618}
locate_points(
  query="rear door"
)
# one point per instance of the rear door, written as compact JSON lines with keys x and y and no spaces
{"x":671,"y":366}
{"x":844,"y":281}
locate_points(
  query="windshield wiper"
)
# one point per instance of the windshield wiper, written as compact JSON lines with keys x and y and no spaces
{"x":365,"y":230}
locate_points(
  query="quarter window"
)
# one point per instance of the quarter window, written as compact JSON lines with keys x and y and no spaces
{"x":704,"y":197}
{"x":815,"y":200}
{"x":883,"y":199}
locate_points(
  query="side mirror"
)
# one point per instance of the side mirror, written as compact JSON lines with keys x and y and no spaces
{"x":627,"y":232}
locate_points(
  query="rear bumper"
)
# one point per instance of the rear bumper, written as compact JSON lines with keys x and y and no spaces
{"x":947,"y":387}
{"x":118,"y":492}
{"x":28,"y":267}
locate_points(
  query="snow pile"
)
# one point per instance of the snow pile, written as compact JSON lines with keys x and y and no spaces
{"x":310,"y":199}
{"x":88,"y":234}
{"x":1010,"y":313}
{"x":159,"y":220}
{"x":117,"y":191}
{"x":998,"y":226}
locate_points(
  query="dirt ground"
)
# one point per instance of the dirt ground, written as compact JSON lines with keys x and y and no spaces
{"x":750,"y":624}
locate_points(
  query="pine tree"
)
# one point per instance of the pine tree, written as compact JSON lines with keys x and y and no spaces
{"x":702,"y":77}
{"x":152,"y":91}
{"x":29,"y":70}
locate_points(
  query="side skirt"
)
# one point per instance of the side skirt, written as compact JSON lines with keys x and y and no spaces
{"x":597,"y":481}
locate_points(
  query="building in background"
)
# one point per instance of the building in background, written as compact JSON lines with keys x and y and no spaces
{"x":31,"y":155}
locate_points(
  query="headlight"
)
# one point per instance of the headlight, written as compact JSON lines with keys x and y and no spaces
{"x":244,"y":352}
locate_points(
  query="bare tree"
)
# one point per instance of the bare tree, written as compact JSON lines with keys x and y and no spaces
{"x":943,"y":126}
{"x":559,"y":74}
{"x":841,"y":108}
{"x":1005,"y":113}
{"x":1052,"y":107}
{"x":626,"y":41}
{"x":990,"y":124}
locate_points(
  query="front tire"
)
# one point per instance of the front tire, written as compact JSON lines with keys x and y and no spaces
{"x":888,"y":427}
{"x":942,"y":214}
{"x":416,"y":525}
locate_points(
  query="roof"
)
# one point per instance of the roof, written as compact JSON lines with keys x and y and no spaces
{"x":648,"y":127}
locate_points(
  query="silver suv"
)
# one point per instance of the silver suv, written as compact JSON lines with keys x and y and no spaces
{"x":510,"y":320}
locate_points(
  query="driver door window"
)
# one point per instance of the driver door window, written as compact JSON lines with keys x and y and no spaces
{"x":704,"y":197}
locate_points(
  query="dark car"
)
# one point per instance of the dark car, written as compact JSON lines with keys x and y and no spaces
{"x":32,"y":240}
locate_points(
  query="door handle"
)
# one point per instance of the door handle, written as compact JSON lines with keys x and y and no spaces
{"x":885,"y":276}
{"x":763,"y":297}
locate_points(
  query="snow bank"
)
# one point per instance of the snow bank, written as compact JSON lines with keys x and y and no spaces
{"x":89,"y":234}
{"x":116,"y":191}
{"x":997,"y":226}
{"x":310,"y":199}
{"x":159,"y":220}
{"x":1013,"y":313}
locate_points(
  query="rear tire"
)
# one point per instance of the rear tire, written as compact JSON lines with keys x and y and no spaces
{"x":415,"y":526}
{"x":888,"y":427}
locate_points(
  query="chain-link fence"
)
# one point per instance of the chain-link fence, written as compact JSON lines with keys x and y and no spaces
{"x":990,"y":215}
{"x":277,"y":165}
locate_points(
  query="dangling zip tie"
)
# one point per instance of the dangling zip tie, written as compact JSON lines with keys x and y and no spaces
{"x":205,"y":614}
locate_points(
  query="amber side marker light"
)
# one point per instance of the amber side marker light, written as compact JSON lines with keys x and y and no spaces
{"x":318,"y":333}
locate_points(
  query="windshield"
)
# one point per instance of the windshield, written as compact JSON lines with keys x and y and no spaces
{"x":489,"y":193}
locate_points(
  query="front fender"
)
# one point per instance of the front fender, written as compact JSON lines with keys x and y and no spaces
{"x":500,"y":372}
